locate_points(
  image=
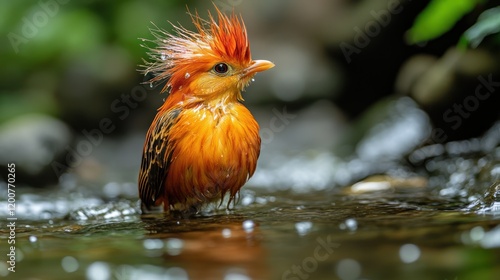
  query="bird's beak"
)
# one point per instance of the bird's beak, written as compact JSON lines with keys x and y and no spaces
{"x":258,"y":66}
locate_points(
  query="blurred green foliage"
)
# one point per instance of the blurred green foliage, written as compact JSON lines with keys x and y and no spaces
{"x":438,"y":18}
{"x":41,"y":38}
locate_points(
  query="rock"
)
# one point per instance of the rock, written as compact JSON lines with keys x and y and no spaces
{"x":387,"y":131}
{"x":380,"y":183}
{"x":110,"y":210}
{"x":489,"y":203}
{"x":33,"y":142}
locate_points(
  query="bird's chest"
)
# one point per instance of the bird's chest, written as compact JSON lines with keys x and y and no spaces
{"x":217,"y":137}
{"x":213,"y":153}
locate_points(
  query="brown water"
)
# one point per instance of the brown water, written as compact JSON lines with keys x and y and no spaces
{"x":403,"y":233}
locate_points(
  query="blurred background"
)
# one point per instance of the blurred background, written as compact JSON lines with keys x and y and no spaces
{"x":376,"y":79}
{"x":380,"y":138}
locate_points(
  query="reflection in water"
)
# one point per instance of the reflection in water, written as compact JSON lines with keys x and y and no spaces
{"x":210,"y":247}
{"x":399,"y":233}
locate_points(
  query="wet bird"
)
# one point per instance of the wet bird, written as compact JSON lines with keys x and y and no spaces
{"x":203,"y":143}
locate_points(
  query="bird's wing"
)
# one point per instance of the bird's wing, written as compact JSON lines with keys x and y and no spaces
{"x":156,"y":158}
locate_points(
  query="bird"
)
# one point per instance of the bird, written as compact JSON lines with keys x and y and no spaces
{"x":203,"y":142}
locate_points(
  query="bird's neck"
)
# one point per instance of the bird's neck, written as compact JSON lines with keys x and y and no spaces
{"x":215,"y":99}
{"x":220,"y":102}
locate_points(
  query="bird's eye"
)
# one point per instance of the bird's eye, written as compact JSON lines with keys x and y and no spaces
{"x":221,"y":68}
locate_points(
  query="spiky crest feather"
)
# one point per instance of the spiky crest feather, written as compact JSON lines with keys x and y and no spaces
{"x":186,"y":51}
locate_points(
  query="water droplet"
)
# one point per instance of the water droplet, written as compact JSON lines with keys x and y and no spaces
{"x":253,"y":79}
{"x":112,"y":189}
{"x":303,"y":228}
{"x":150,"y":85}
{"x":163,"y":56}
{"x":409,"y":253}
{"x":187,"y":75}
{"x":33,"y":239}
{"x":491,"y":239}
{"x":174,"y":246}
{"x":236,"y":275}
{"x":98,"y":271}
{"x":69,"y":264}
{"x":348,"y":269}
{"x":261,"y":200}
{"x":152,"y":244}
{"x":248,"y":225}
{"x":350,"y":224}
{"x":247,"y":200}
{"x":476,"y":234}
{"x":175,"y":273}
{"x":226,"y":233}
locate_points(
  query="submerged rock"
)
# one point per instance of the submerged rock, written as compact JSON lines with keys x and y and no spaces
{"x":32,"y":143}
{"x":111,"y":210}
{"x":489,"y":203}
{"x":378,"y":183}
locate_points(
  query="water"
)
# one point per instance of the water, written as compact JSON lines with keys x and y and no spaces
{"x":399,"y":234}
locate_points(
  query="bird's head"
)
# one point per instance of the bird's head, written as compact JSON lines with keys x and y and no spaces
{"x":212,"y":61}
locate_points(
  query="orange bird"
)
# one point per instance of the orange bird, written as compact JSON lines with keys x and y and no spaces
{"x":203,"y":143}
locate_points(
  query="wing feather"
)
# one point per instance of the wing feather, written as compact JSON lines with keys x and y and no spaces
{"x":156,"y":157}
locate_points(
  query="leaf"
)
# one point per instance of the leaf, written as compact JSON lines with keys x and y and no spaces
{"x":437,"y":18}
{"x":487,"y":24}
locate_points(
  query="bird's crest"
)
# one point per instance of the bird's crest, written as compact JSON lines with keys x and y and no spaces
{"x":178,"y":56}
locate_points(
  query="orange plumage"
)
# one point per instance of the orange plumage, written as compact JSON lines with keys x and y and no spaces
{"x":203,"y":143}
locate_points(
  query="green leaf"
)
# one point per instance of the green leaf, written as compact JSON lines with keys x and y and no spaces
{"x":437,"y":18}
{"x":487,"y":24}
